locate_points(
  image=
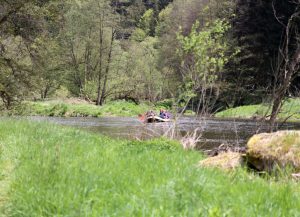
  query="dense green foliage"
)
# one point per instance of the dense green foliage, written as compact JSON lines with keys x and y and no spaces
{"x":204,"y":59}
{"x":28,"y":49}
{"x":210,"y":55}
{"x":48,"y":170}
{"x":259,"y":29}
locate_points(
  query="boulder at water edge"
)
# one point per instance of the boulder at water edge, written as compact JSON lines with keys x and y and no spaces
{"x":227,"y":161}
{"x":267,"y":150}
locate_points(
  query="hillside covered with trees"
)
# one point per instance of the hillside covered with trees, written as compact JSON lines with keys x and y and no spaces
{"x":81,"y":82}
{"x":209,"y":54}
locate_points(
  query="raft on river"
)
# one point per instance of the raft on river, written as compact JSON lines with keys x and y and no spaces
{"x":155,"y":119}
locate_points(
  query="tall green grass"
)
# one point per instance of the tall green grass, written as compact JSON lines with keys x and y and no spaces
{"x":247,"y":111}
{"x":290,"y":110}
{"x":59,"y":171}
{"x":64,"y":109}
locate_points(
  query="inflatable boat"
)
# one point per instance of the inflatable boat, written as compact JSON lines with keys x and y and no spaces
{"x":155,"y":119}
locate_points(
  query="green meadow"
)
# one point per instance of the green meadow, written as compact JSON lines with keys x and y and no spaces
{"x":49,"y":170}
{"x":61,"y":108}
{"x":290,"y":110}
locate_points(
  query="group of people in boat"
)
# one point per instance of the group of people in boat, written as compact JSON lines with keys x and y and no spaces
{"x":163,"y":114}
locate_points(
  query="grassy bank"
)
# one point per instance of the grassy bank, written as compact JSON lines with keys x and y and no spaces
{"x":56,"y":171}
{"x":291,"y":109}
{"x":76,"y":108}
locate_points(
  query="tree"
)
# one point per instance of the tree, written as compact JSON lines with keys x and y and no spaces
{"x":89,"y":36}
{"x":15,"y":72}
{"x":250,"y":76}
{"x":49,"y":66}
{"x":182,"y":15}
{"x":204,"y":56}
{"x":288,"y":61}
{"x":22,"y":23}
{"x":148,"y":79}
{"x":131,"y":13}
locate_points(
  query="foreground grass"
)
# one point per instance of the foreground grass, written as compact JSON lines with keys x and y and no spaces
{"x":290,"y":109}
{"x":58,"y":171}
{"x":83,"y":109}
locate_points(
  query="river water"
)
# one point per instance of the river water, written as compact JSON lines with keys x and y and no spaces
{"x":212,"y":132}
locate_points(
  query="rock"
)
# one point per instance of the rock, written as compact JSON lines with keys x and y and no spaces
{"x":227,"y":161}
{"x":225,"y":148}
{"x":266,"y":150}
{"x":256,"y":117}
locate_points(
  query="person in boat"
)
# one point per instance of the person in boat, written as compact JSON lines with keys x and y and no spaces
{"x":168,"y":115}
{"x":150,"y":113}
{"x":161,"y":113}
{"x":164,"y":114}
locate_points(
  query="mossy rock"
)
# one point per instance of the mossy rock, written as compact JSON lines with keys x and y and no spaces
{"x":267,"y":150}
{"x":226,"y":161}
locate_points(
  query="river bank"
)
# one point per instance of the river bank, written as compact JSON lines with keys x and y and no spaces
{"x":290,"y":110}
{"x":77,"y":107}
{"x":80,"y":108}
{"x":59,"y":171}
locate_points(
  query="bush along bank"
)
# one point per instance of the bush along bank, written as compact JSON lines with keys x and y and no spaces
{"x":57,"y":171}
{"x":81,"y":109}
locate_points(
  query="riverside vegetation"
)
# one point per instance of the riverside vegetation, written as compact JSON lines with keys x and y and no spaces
{"x":290,"y":111}
{"x":81,"y":108}
{"x":49,"y":170}
{"x":211,"y":55}
{"x":76,"y":107}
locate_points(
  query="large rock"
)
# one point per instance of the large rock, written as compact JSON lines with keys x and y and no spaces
{"x":267,"y":150}
{"x":227,"y":161}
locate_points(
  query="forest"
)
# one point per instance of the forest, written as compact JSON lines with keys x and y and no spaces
{"x":209,"y":54}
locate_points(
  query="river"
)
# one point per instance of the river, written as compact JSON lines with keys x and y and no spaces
{"x":212,"y":132}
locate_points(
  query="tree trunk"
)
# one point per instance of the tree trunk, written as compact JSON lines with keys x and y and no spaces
{"x":6,"y":99}
{"x":103,"y":93}
{"x":284,"y":86}
{"x":289,"y":68}
{"x":100,"y":60}
{"x":46,"y":91}
{"x":75,"y":65}
{"x":87,"y":60}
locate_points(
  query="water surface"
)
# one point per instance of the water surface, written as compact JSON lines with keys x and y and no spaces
{"x":212,"y":132}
